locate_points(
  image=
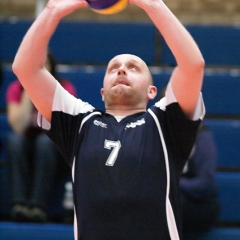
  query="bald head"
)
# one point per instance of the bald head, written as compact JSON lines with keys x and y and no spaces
{"x":134,"y":59}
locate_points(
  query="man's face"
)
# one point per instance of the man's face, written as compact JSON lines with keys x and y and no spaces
{"x":126,"y":82}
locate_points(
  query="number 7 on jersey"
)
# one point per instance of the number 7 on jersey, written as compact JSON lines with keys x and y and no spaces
{"x":115,"y":146}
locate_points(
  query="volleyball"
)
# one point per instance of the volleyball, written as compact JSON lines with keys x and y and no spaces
{"x":107,"y":6}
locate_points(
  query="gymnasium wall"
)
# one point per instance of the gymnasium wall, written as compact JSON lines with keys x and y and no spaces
{"x":188,"y":11}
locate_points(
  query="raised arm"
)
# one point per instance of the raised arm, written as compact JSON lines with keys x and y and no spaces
{"x":32,"y":54}
{"x":187,"y":77}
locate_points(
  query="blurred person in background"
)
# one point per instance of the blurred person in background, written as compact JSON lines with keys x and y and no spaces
{"x":32,"y":156}
{"x":1,"y":81}
{"x":198,"y":187}
{"x":1,"y":74}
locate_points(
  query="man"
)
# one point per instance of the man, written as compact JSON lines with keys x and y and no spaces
{"x":126,"y":162}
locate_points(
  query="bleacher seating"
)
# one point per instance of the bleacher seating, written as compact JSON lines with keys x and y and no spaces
{"x":24,"y":231}
{"x":220,"y":47}
{"x":220,"y":92}
{"x":219,"y":44}
{"x":229,"y":195}
{"x":220,"y":87}
{"x":89,"y":43}
{"x":227,"y":137}
{"x":8,"y":77}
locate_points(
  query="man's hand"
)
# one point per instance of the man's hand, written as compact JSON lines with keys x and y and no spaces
{"x":62,"y":8}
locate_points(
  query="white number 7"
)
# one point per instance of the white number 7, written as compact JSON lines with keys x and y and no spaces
{"x":116,"y":145}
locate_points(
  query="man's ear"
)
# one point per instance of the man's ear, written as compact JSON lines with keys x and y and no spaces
{"x":102,"y":93}
{"x":152,"y":92}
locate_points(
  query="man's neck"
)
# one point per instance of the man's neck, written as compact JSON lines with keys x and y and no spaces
{"x":124,"y":112}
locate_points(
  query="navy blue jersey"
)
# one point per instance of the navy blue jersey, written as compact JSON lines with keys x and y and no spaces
{"x":125,"y":174}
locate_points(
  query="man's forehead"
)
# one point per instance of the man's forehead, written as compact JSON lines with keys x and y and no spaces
{"x":126,"y":57}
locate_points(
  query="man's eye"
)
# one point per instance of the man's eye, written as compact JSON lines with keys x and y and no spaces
{"x":133,"y":67}
{"x":114,"y":68}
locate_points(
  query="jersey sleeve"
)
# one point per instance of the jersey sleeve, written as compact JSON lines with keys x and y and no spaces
{"x":179,"y":131}
{"x":199,"y":110}
{"x":67,"y":115}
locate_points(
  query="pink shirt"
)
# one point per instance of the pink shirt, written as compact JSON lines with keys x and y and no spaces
{"x":14,"y":94}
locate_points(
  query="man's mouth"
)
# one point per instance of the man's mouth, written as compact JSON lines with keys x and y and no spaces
{"x":122,"y":82}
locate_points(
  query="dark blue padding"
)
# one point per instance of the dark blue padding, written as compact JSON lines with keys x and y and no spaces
{"x":227,"y":138}
{"x":4,"y":170}
{"x":24,"y":231}
{"x":161,"y":78}
{"x":217,"y":233}
{"x":4,"y":130}
{"x":220,"y":87}
{"x":11,"y":34}
{"x":218,"y":44}
{"x":90,"y":43}
{"x":98,"y":43}
{"x":223,"y":234}
{"x":221,"y":92}
{"x":8,"y":77}
{"x":229,"y":196}
{"x":89,"y":80}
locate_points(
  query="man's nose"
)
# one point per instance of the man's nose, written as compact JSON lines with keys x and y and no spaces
{"x":121,"y":71}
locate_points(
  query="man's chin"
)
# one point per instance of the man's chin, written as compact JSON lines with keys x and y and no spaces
{"x":119,"y":99}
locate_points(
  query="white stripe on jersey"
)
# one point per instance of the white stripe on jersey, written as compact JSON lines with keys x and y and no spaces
{"x":86,"y":118}
{"x":75,"y":225}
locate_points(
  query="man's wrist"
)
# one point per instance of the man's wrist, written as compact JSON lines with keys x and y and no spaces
{"x":51,"y":12}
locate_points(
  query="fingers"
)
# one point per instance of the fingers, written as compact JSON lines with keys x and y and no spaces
{"x":61,"y":8}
